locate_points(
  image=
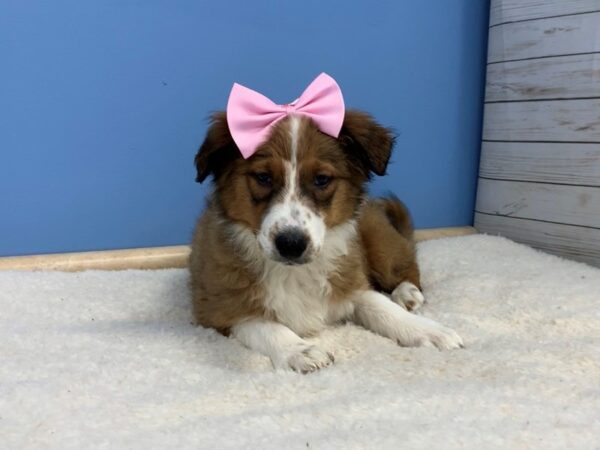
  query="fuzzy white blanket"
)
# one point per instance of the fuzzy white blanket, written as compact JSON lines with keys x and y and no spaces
{"x":110,"y":360}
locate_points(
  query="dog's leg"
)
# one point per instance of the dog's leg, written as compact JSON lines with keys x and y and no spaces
{"x":408,"y":296}
{"x":375,"y":312}
{"x":286,"y":349}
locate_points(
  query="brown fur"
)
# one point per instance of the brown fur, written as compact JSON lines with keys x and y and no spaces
{"x":387,"y":236}
{"x":227,"y":288}
{"x":224,"y":289}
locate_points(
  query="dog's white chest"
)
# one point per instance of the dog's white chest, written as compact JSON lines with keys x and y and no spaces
{"x":298,"y":296}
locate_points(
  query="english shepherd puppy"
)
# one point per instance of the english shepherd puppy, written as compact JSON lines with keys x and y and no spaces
{"x":289,"y":243}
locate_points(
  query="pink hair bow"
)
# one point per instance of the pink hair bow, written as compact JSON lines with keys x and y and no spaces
{"x":251,"y":115}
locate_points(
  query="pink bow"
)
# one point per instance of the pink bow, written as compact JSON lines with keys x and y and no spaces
{"x":251,"y":115}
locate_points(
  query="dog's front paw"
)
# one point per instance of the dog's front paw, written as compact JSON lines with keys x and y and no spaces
{"x":427,"y":333}
{"x":443,"y":338}
{"x":305,"y":359}
{"x":408,"y":296}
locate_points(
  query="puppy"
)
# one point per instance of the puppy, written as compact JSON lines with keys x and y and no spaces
{"x":289,"y":243}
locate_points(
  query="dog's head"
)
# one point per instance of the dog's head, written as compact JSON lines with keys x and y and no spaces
{"x":300,"y":182}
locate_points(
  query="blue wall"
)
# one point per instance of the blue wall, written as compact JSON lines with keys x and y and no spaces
{"x":103,"y":104}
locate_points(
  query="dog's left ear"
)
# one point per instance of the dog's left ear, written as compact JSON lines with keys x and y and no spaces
{"x":367,"y":141}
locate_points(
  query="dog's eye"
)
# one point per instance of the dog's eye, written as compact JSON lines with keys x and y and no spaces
{"x":322,"y":181}
{"x":263,"y":178}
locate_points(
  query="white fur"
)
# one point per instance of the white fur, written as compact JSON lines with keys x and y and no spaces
{"x":408,"y":296}
{"x":377,"y":313}
{"x":285,"y":348}
{"x":290,"y":212}
{"x":298,"y":295}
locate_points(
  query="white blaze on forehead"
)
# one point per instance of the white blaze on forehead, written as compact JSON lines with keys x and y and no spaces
{"x":290,"y":211}
{"x":292,"y":171}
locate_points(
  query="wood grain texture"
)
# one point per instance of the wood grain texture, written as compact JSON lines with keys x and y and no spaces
{"x":545,"y":37}
{"x":575,"y":205}
{"x":137,"y":258}
{"x":502,"y":11}
{"x":559,"y":120}
{"x":581,"y":244}
{"x":153,"y":257}
{"x":557,"y":77}
{"x":541,"y":162}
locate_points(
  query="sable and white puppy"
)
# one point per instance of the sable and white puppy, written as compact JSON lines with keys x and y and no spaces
{"x":289,"y":243}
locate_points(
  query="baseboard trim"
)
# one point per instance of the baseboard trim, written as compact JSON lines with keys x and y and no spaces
{"x":151,"y":258}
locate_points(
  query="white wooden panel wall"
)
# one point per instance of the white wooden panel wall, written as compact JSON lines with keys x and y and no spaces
{"x":564,"y":35}
{"x":547,"y":121}
{"x":574,"y":205}
{"x":540,"y":163}
{"x":544,"y":162}
{"x":578,"y":243}
{"x":521,"y":10}
{"x":558,"y":77}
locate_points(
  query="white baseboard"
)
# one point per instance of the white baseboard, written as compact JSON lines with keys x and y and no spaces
{"x":152,"y":257}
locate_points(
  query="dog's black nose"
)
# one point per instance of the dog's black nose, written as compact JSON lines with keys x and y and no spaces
{"x":291,"y":243}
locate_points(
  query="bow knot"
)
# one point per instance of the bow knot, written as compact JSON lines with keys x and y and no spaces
{"x":251,"y":115}
{"x":288,"y":107}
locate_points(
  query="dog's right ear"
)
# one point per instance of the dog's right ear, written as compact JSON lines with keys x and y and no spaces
{"x":217,"y":150}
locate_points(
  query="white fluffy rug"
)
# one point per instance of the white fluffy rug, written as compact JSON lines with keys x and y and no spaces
{"x":110,"y":360}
